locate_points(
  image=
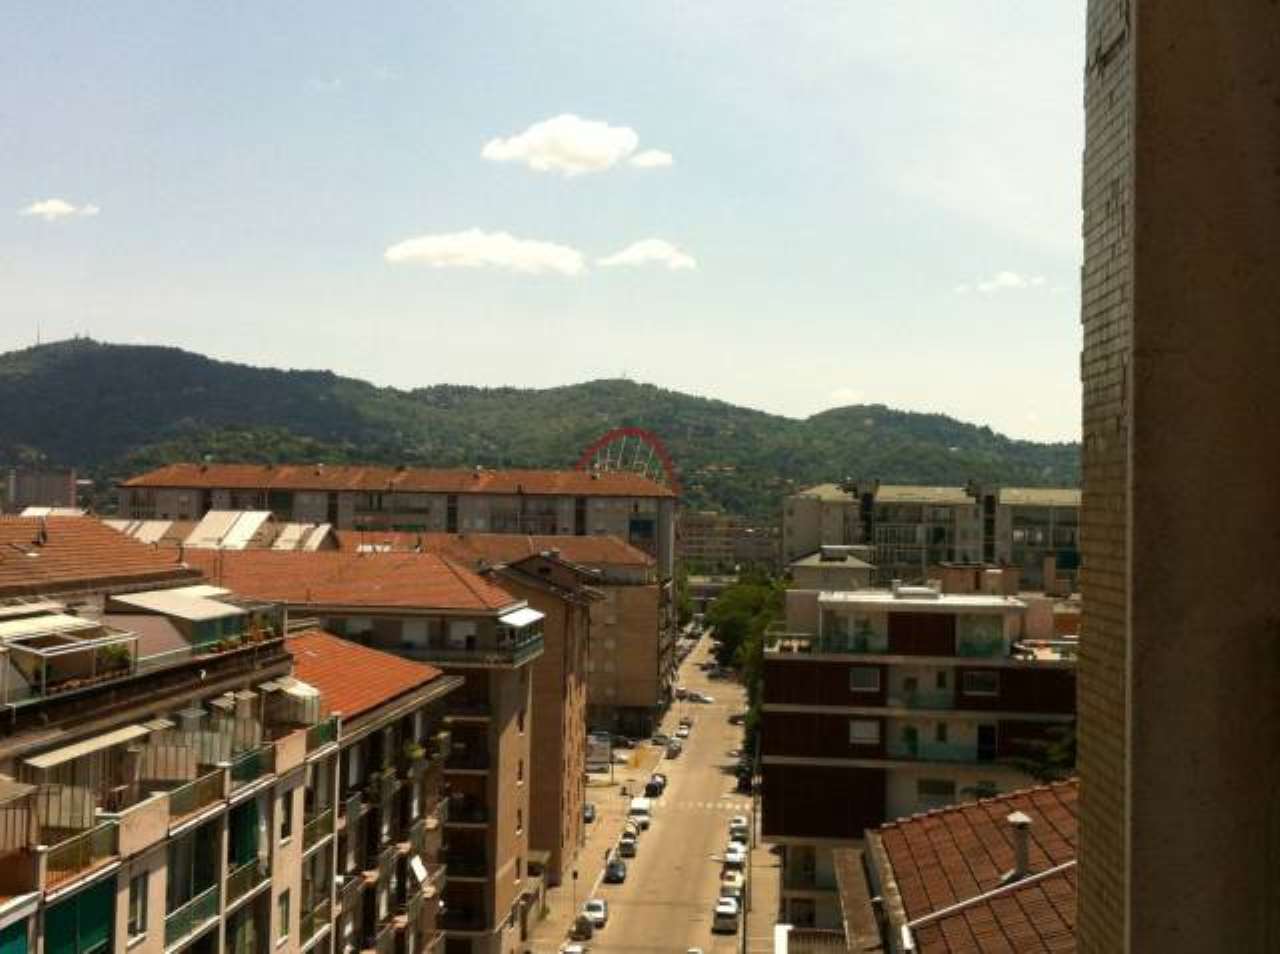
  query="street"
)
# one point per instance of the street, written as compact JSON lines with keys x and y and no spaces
{"x":667,"y":900}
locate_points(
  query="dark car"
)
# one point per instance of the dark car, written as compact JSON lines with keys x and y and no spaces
{"x":588,"y":813}
{"x":615,"y":872}
{"x":738,"y":718}
{"x":623,"y":742}
{"x":660,"y":738}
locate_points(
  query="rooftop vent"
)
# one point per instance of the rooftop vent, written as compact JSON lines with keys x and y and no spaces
{"x":1020,"y":822}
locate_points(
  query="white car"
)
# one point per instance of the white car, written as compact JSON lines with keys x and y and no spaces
{"x":598,"y":911}
{"x":724,"y":920}
{"x":735,"y":856}
{"x":731,"y":885}
{"x":682,"y":732}
{"x":739,"y":821}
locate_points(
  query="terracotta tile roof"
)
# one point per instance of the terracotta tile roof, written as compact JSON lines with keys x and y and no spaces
{"x":343,"y":578}
{"x":471,"y":548}
{"x":354,"y":678}
{"x":77,"y":553}
{"x":579,"y":483}
{"x":954,"y":854}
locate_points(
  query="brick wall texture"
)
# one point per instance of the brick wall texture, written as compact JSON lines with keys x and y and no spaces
{"x":1106,"y":311}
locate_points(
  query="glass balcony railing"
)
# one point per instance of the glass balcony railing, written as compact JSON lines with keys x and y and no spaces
{"x":981,"y":648}
{"x":313,"y":920}
{"x":80,"y":853}
{"x":195,"y":795}
{"x":349,"y":895}
{"x":933,"y":751}
{"x":253,"y":765}
{"x":322,"y":734}
{"x":317,"y":828}
{"x":510,"y":653}
{"x":191,"y":917}
{"x":384,"y":942}
{"x":244,"y":878}
{"x":462,"y":919}
{"x":467,"y":759}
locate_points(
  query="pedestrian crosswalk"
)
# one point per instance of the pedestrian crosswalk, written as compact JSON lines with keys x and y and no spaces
{"x":736,"y":806}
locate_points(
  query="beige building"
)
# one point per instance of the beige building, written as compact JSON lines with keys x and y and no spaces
{"x":710,"y":541}
{"x":1180,"y":674}
{"x":166,"y":783}
{"x":911,"y":528}
{"x":547,"y":502}
{"x":426,"y":608}
{"x":832,"y":567}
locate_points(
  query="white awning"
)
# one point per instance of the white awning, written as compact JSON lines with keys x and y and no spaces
{"x":520,"y":618}
{"x":48,"y":760}
{"x":178,"y":604}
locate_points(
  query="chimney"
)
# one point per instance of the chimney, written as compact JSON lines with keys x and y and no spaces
{"x":1020,"y":822}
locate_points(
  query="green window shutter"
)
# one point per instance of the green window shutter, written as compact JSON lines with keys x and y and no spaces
{"x":13,"y":939}
{"x":60,"y":927}
{"x":97,"y":916}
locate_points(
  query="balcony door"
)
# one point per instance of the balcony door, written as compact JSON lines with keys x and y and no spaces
{"x":987,"y":743}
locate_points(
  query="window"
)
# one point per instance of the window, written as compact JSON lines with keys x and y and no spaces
{"x":138,"y":905}
{"x":286,"y":816}
{"x":940,"y":732}
{"x":864,"y":732}
{"x":941,"y":680}
{"x":864,"y":679}
{"x":282,"y":908}
{"x":519,"y":820}
{"x":520,"y":770}
{"x":981,"y":682}
{"x":520,"y":721}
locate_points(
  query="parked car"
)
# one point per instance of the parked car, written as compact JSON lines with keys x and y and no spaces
{"x":700,"y":697}
{"x":588,"y":812}
{"x":660,"y":738}
{"x":738,"y":718}
{"x":583,"y":928}
{"x":682,"y":732}
{"x":739,"y":821}
{"x":597,"y":910}
{"x":738,"y":836}
{"x":686,"y":721}
{"x":640,"y":811}
{"x":724,"y":920}
{"x":674,"y":748}
{"x":732,"y":884}
{"x":615,"y":872}
{"x":660,"y":778}
{"x":653,"y":789}
{"x":627,"y":845}
{"x":735,"y":856}
{"x":681,"y":692}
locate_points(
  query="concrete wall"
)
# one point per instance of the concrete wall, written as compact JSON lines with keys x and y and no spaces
{"x":901,"y":793}
{"x":509,"y":752}
{"x":626,"y":641}
{"x":1180,"y":678}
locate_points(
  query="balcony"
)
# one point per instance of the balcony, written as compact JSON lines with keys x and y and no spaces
{"x":921,"y":699}
{"x":971,"y":647}
{"x":387,"y":864}
{"x":467,"y":811}
{"x":317,"y":828}
{"x":384,"y":942}
{"x":439,"y":746}
{"x":314,"y":920}
{"x":244,"y":878}
{"x":508,"y":654}
{"x":191,"y":918}
{"x":80,"y":853}
{"x":808,"y":880}
{"x":932,"y":751}
{"x":835,"y":644}
{"x":252,"y":766}
{"x":462,"y":919}
{"x":349,"y":894}
{"x":466,"y":864}
{"x":195,"y":796}
{"x":467,"y":760}
{"x":322,"y":734}
{"x":381,"y":788}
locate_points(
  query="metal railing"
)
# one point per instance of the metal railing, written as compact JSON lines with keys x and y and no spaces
{"x":79,"y":853}
{"x":384,"y":942}
{"x":981,"y":648}
{"x":933,"y":751}
{"x":253,"y":765}
{"x":322,"y":733}
{"x":504,"y":654}
{"x":245,"y":878}
{"x":349,"y":896}
{"x":313,"y":921}
{"x":353,"y":807}
{"x":196,"y":795}
{"x":387,"y":859}
{"x":190,"y":917}
{"x":317,"y":828}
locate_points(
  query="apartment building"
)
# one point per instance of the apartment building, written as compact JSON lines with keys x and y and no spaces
{"x":912,"y":528}
{"x":833,"y":567}
{"x":631,"y":663}
{"x":564,"y":592}
{"x":39,"y":487}
{"x":390,"y":808}
{"x":551,"y":502}
{"x":882,"y":703}
{"x":429,"y":609}
{"x":711,"y":540}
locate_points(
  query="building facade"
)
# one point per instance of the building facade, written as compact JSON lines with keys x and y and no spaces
{"x":425,"y":608}
{"x":544,"y":502}
{"x":711,"y":541}
{"x":30,"y":487}
{"x":912,"y":528}
{"x":895,"y":702}
{"x":1180,"y":679}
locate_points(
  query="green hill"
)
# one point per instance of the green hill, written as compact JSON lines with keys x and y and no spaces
{"x":113,"y":410}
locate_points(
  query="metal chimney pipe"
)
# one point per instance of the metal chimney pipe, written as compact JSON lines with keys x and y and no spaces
{"x":1021,"y":824}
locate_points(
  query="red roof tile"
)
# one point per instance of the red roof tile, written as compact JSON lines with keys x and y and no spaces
{"x":354,"y":678}
{"x":471,"y":548}
{"x":76,"y":553}
{"x":424,"y":581}
{"x":579,"y":483}
{"x":954,"y":854}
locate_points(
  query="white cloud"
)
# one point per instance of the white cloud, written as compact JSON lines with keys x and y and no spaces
{"x":572,"y":145}
{"x":648,"y":251}
{"x":1000,"y":282}
{"x":652,"y":159}
{"x":53,"y":209}
{"x":844,"y":396}
{"x":476,"y":248}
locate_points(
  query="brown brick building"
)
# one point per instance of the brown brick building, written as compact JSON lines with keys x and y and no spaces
{"x":1179,"y":673}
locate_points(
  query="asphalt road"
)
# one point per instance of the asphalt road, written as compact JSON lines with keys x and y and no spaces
{"x":672,"y":883}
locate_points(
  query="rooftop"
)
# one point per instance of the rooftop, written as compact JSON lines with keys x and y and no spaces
{"x":354,"y":679}
{"x":63,"y":554}
{"x":832,"y":557}
{"x":917,"y":597}
{"x":1039,"y":497}
{"x":908,"y":493}
{"x":493,"y":548}
{"x":954,"y":855}
{"x":344,"y":578}
{"x":327,"y":477}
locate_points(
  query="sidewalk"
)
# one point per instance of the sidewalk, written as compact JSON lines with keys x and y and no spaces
{"x":602,"y":834}
{"x":766,"y":893}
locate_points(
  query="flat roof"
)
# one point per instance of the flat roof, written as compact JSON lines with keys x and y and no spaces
{"x":1040,"y":497}
{"x":911,"y":493}
{"x":887,"y":599}
{"x":846,"y":561}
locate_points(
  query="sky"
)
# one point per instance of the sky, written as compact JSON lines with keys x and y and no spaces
{"x":790,"y":206}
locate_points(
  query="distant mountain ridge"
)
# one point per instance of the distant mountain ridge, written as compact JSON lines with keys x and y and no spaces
{"x":114,"y":410}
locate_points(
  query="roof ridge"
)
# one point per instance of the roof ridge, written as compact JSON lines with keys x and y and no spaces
{"x":457,"y":572}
